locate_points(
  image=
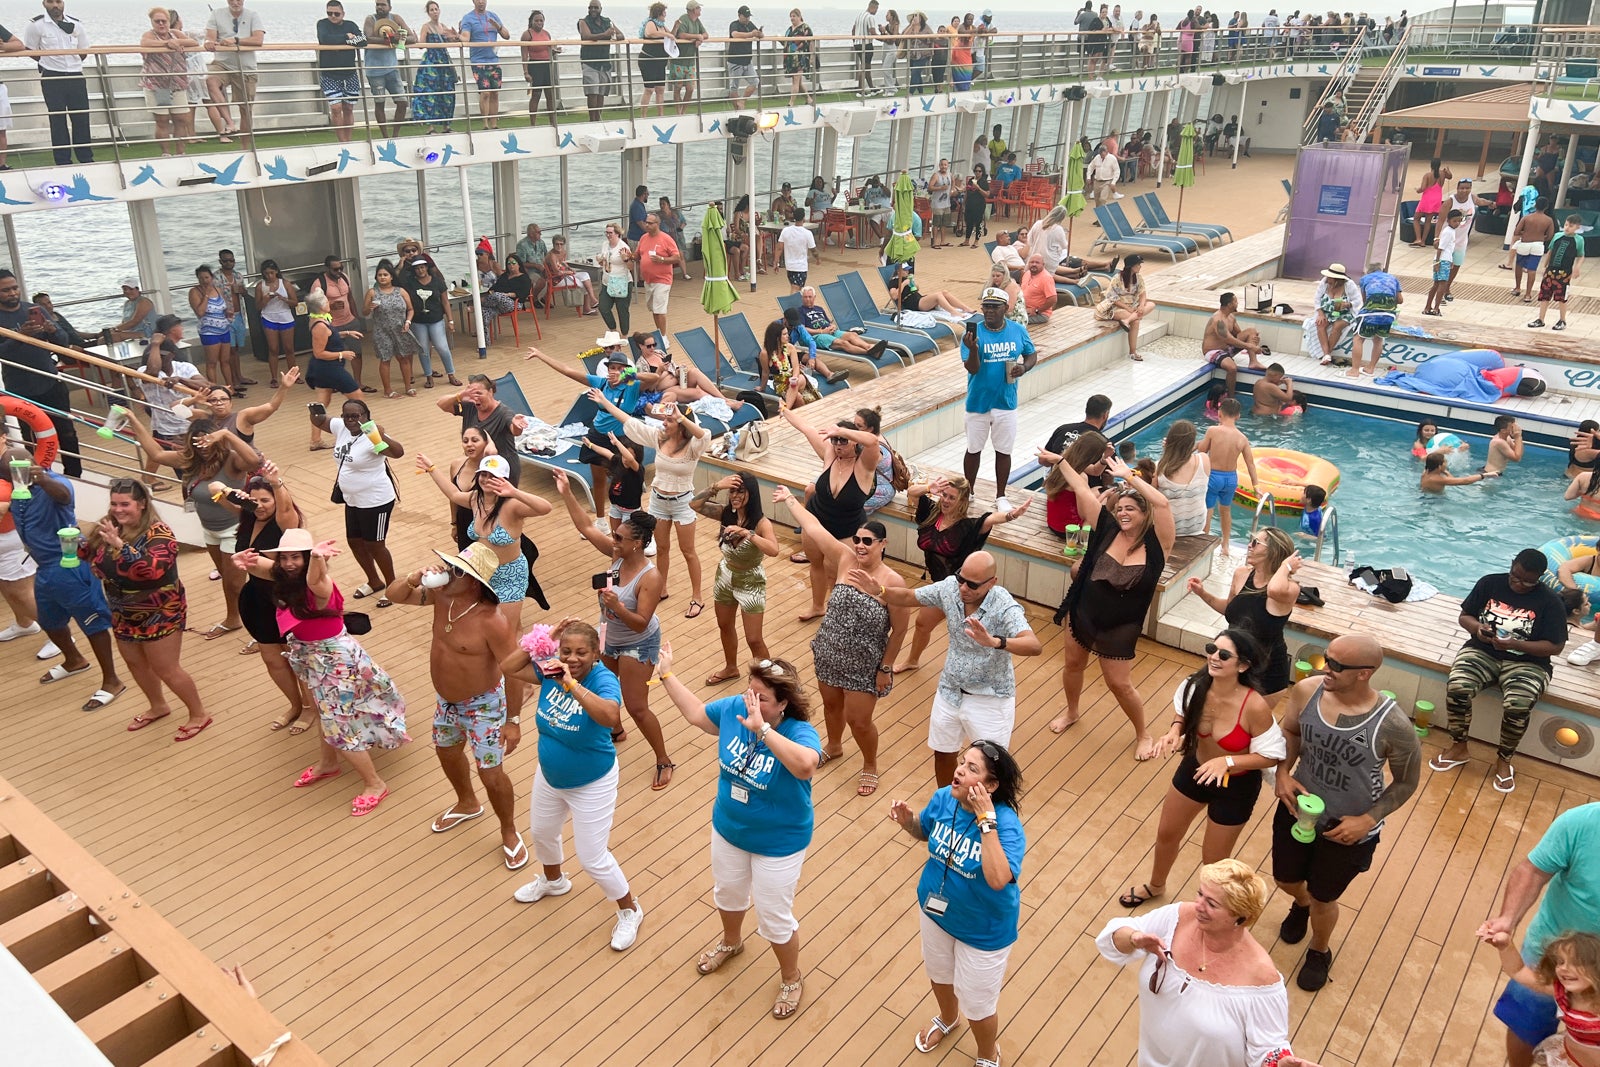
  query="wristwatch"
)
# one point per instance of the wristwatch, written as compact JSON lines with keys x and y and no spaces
{"x":515,"y":720}
{"x":766,"y":728}
{"x":1002,"y":644}
{"x":986,"y":826}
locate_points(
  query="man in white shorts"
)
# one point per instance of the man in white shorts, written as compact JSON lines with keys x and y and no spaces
{"x":977,"y":694}
{"x":996,"y":352}
{"x":657,"y":254}
{"x":17,"y":569}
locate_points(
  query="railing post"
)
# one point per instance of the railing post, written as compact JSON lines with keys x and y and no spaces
{"x":108,"y":100}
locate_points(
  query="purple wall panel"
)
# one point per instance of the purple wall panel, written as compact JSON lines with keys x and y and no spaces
{"x":1345,"y":207}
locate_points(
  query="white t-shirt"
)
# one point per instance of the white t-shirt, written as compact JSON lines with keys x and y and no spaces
{"x":1468,"y":210}
{"x":1007,"y":256}
{"x":229,"y":29}
{"x":797,"y":243}
{"x":362,"y":476}
{"x":1448,"y":239}
{"x":161,"y":398}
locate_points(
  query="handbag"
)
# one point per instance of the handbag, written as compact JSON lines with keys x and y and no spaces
{"x":752,"y":442}
{"x":1258,"y":296}
{"x":618,"y":286}
{"x":337,"y":496}
{"x":357,"y":623}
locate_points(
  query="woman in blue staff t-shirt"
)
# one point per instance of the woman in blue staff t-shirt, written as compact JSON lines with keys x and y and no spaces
{"x":577,"y":773}
{"x":969,"y":894}
{"x":761,"y":821}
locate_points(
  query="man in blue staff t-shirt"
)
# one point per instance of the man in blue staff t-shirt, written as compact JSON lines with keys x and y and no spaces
{"x":996,"y":352}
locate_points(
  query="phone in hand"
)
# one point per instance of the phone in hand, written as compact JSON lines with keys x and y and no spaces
{"x":600,"y":581}
{"x":317,"y":409}
{"x":549,"y":668}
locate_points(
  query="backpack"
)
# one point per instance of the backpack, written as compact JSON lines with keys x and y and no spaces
{"x":899,"y":473}
{"x":1392,"y":584}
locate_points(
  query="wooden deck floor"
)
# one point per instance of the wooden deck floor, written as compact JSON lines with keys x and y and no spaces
{"x":381,"y":943}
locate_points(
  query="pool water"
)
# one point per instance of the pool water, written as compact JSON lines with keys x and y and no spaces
{"x":1448,"y":539}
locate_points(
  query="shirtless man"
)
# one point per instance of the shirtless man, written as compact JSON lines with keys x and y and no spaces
{"x":1225,"y":443}
{"x":1436,"y":476}
{"x":1224,"y":340}
{"x":1505,"y":446}
{"x":470,"y":639}
{"x":1274,"y":393}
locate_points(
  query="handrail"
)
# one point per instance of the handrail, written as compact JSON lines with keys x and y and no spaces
{"x":1330,"y":524}
{"x":1337,"y":85}
{"x":1374,"y":104}
{"x":1270,"y":503}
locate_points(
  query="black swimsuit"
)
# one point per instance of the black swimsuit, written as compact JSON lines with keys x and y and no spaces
{"x":840,"y":515}
{"x":1249,"y":611}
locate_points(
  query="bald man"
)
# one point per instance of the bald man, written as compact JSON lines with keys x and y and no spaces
{"x":1340,"y":734}
{"x":977,"y":695}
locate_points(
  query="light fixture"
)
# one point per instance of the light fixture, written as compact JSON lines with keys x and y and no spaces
{"x":202,"y":179}
{"x":1074,"y":92}
{"x":429,"y":154}
{"x":769,"y":121}
{"x":593,"y":143}
{"x":1235,"y":77}
{"x":851,"y":121}
{"x":972,"y":105}
{"x":740,"y":127}
{"x":1098,"y":90}
{"x":52,"y":192}
{"x":321,"y":168}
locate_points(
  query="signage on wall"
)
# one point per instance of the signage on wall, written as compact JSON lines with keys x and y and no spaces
{"x":1441,"y":72}
{"x":1333,"y":200}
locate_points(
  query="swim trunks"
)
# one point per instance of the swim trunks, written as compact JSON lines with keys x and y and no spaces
{"x":1220,"y":487}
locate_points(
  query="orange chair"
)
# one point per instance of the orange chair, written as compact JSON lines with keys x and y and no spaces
{"x":494,"y":325}
{"x":836,"y":223}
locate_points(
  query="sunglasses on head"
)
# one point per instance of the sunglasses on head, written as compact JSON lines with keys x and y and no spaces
{"x":1339,"y":668}
{"x":970,"y":584}
{"x":857,"y":539}
{"x":771,"y":666}
{"x":1221,"y":653}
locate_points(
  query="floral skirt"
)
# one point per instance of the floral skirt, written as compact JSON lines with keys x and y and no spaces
{"x":147,"y":614}
{"x":359,"y":704}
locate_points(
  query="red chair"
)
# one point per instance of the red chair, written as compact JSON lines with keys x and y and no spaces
{"x":836,"y":223}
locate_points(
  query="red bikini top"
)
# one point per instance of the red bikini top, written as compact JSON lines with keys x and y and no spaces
{"x":1236,"y":740}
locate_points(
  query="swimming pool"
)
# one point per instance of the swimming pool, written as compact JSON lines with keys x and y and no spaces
{"x":1448,"y":539}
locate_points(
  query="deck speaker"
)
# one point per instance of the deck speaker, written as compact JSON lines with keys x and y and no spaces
{"x":851,"y":121}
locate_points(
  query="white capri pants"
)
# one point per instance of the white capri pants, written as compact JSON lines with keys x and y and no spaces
{"x":980,"y":717}
{"x":741,"y":878}
{"x":976,"y":975}
{"x":592,"y":808}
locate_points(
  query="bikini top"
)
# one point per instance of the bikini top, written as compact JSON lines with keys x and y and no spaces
{"x":497,"y":536}
{"x":1236,"y":740}
{"x":1583,"y":1027}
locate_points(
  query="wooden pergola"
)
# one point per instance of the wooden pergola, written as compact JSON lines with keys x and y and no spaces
{"x":1503,"y":109}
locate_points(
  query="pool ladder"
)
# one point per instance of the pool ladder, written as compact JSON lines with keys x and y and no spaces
{"x":1269,"y":504}
{"x":1330,"y":525}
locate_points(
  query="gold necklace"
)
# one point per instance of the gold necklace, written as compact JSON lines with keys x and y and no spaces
{"x":1204,"y":961}
{"x":451,"y":619}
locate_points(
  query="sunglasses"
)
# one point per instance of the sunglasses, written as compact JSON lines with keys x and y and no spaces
{"x":1221,"y":653}
{"x":647,"y":344}
{"x":990,"y":750}
{"x":771,"y":666}
{"x":1159,"y":975}
{"x":970,"y":584}
{"x":857,"y":539}
{"x":838,"y":440}
{"x":1339,"y":668}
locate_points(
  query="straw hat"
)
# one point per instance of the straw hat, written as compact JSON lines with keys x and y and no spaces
{"x":1335,"y":273}
{"x":478,"y":561}
{"x":294,"y":540}
{"x":611,"y":339}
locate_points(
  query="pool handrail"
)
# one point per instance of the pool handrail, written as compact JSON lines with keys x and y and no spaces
{"x":1268,"y":501}
{"x":1330,"y":523}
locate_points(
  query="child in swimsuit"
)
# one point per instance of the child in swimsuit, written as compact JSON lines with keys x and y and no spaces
{"x":1566,"y":972}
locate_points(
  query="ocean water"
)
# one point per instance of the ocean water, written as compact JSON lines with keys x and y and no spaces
{"x":1448,"y":539}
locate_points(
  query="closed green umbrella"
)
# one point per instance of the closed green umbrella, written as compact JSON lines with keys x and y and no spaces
{"x":902,"y":247}
{"x":717,"y":294}
{"x":1073,"y":200}
{"x":1183,"y":172}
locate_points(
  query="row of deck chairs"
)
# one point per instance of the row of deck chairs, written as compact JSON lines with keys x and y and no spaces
{"x":736,"y":367}
{"x":1157,"y":233}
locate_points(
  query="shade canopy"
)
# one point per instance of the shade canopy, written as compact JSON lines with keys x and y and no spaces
{"x":1183,"y":170}
{"x":1073,"y":200}
{"x":1503,"y":109}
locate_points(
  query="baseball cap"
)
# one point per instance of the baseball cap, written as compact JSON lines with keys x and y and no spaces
{"x":498,"y":466}
{"x":130,"y":283}
{"x":992,"y":295}
{"x":744,"y":11}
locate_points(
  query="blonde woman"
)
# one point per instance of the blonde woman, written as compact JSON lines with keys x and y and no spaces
{"x":615,"y":260}
{"x":1181,"y":475}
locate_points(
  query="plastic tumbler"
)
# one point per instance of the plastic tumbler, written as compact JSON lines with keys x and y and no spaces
{"x":371,"y":430}
{"x":1422,"y":715}
{"x":68,"y":536}
{"x":1302,"y":670}
{"x":19,"y":479}
{"x":1305,"y":823}
{"x":1074,"y":543}
{"x":113,"y":423}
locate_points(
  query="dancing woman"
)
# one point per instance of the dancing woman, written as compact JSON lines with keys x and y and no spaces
{"x":740,"y":584}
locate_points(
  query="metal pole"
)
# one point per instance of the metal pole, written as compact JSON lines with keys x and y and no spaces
{"x":1530,"y":146}
{"x":1566,"y":174}
{"x":1238,"y":133}
{"x":422,"y":205}
{"x":750,"y":225}
{"x":1161,"y":133}
{"x":472,"y":266}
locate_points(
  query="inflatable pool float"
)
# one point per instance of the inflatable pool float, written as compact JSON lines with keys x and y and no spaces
{"x":1285,"y":473}
{"x":1440,"y":442}
{"x":1560,"y":551}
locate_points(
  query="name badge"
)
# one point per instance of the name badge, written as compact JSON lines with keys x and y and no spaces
{"x":936,"y":904}
{"x":739,"y":793}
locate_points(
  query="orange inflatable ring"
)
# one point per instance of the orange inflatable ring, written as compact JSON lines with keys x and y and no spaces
{"x":1285,"y":474}
{"x":45,"y":443}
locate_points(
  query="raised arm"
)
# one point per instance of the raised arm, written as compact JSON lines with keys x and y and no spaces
{"x":809,"y":523}
{"x":1282,"y":588}
{"x":153,"y":448}
{"x":691,"y":707}
{"x":579,"y":376}
{"x":582,"y":521}
{"x":441,"y":478}
{"x":818,"y":440}
{"x":1089,"y":505}
{"x":531,"y":503}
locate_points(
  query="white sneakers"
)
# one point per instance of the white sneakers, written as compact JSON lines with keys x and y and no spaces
{"x":1002,"y":505}
{"x":1584,"y":654}
{"x":623,"y":935}
{"x":12,"y":632}
{"x":542,"y":887}
{"x":626,"y":932}
{"x":650,"y":549}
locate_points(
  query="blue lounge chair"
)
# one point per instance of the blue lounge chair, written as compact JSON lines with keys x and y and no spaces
{"x":698,"y":346}
{"x":890,"y":359}
{"x":747,"y":353}
{"x":509,"y":391}
{"x":1156,"y":220}
{"x":910,"y":342}
{"x":1125,"y":225}
{"x":1115,"y":231}
{"x":856,"y":286}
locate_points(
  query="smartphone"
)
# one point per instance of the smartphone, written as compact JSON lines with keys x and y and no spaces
{"x":316,"y":408}
{"x":549,"y":668}
{"x":600,"y":581}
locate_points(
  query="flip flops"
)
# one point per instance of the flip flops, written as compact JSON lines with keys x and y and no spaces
{"x":452,"y":819}
{"x":364,"y":805}
{"x":58,"y":672}
{"x":935,"y":1031}
{"x":189,"y":731}
{"x":311,"y":774}
{"x":1440,"y":763}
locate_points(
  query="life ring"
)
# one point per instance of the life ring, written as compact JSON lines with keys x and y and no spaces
{"x":45,"y":443}
{"x":1285,"y":474}
{"x":1564,"y":549}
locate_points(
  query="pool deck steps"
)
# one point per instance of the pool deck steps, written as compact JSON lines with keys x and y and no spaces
{"x":1419,"y":642}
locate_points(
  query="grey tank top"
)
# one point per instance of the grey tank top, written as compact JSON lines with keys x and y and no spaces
{"x":618,"y":634}
{"x":1341,"y":764}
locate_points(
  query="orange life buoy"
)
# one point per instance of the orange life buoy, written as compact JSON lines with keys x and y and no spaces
{"x":45,"y":443}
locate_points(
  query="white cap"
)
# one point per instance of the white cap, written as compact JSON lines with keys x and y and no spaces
{"x":992,"y":295}
{"x":130,"y":283}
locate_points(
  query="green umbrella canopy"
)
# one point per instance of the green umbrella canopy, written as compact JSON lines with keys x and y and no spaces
{"x":1073,"y":200}
{"x":718,"y":294}
{"x":902,"y":246}
{"x":1183,"y":173}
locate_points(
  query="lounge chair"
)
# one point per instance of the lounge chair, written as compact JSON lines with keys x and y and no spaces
{"x":702,"y":351}
{"x":1117,"y":233}
{"x":509,"y":392}
{"x":747,"y":353}
{"x":911,"y":343}
{"x":1155,"y":219}
{"x":889,"y":360}
{"x":856,"y":286}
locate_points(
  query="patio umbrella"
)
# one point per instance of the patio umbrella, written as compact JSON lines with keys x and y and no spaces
{"x":717,"y":294}
{"x":1183,"y":172}
{"x":1073,"y":200}
{"x":902,"y":246}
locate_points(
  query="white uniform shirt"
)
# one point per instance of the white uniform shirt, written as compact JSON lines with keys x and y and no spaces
{"x":1104,"y":168}
{"x":43,"y":33}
